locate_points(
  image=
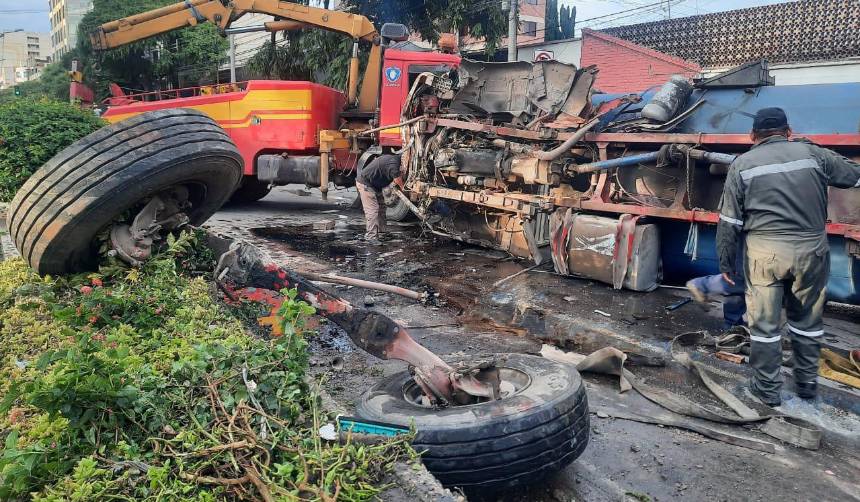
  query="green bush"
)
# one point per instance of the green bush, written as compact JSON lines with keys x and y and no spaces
{"x":142,"y":384}
{"x":33,"y":131}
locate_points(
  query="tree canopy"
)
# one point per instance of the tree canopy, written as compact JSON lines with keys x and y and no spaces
{"x":321,"y":56}
{"x":182,"y":57}
{"x":567,"y":21}
{"x":552,"y":29}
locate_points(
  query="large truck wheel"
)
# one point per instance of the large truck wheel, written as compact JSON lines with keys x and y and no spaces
{"x":178,"y":156}
{"x":251,"y":190}
{"x":540,"y":428}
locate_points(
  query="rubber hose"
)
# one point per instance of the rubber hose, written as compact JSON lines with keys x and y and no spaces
{"x":567,"y":145}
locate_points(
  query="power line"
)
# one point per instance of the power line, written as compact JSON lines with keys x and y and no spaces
{"x":602,"y":21}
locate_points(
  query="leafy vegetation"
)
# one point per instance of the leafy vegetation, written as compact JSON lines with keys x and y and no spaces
{"x":560,"y":23}
{"x":323,"y":57}
{"x":141,"y":385}
{"x":180,"y":58}
{"x":52,"y":84}
{"x":34,"y":130}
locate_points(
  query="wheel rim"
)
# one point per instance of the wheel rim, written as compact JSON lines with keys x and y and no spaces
{"x":133,"y":245}
{"x":513,"y":382}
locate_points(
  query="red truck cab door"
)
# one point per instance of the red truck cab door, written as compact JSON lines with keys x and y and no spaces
{"x":399,"y":71}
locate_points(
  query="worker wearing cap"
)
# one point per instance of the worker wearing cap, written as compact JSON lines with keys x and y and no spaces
{"x":776,"y":195}
{"x":370,"y":182}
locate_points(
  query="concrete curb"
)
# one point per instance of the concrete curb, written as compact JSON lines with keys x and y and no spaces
{"x":7,"y":247}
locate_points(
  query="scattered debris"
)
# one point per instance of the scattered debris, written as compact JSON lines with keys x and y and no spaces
{"x":324,"y":225}
{"x":604,"y":314}
{"x":732,"y":358}
{"x":523,"y":271}
{"x":328,"y":432}
{"x":678,"y":304}
{"x":350,"y":281}
{"x":431,"y":326}
{"x":369,"y":301}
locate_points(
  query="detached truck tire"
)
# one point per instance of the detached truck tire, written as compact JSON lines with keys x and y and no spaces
{"x":514,"y":441}
{"x":56,"y":216}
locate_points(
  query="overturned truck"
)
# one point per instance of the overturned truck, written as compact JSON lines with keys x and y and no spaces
{"x":533,"y":160}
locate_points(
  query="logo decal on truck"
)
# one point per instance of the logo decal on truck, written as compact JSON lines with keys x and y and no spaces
{"x":392,"y":74}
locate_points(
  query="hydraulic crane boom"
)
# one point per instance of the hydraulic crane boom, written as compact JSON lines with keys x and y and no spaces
{"x":192,"y":12}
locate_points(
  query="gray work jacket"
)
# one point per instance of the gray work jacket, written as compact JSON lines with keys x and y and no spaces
{"x":779,"y":187}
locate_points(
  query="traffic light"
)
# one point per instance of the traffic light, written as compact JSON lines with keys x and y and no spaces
{"x":17,"y":91}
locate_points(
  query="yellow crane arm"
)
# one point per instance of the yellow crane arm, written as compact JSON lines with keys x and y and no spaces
{"x":192,"y":12}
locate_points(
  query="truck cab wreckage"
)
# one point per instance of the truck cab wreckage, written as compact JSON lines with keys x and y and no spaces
{"x":516,"y":156}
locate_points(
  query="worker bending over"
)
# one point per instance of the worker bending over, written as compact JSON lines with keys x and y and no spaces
{"x":776,"y":195}
{"x":370,"y":182}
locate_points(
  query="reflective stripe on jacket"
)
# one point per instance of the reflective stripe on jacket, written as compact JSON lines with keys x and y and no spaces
{"x":779,"y":187}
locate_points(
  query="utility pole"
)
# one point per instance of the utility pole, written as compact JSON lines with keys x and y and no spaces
{"x":232,"y":38}
{"x":512,"y":31}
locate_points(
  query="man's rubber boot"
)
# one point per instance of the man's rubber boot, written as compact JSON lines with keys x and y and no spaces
{"x":770,"y":401}
{"x":807,"y":390}
{"x":697,"y":293}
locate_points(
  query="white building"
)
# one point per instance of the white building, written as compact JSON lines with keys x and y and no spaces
{"x":66,"y":15}
{"x":22,"y":55}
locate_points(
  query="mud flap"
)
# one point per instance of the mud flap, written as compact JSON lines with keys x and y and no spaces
{"x":623,"y":253}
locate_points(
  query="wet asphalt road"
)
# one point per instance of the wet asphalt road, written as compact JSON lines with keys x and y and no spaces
{"x":625,"y":460}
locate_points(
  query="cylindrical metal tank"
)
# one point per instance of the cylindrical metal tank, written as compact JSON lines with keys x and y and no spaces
{"x":283,"y":170}
{"x":668,"y":100}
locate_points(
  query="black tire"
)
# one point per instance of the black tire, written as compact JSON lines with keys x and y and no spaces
{"x":251,"y":190}
{"x":398,"y":212}
{"x":55,"y":217}
{"x":515,"y":441}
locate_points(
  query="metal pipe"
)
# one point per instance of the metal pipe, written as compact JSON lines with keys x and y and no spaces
{"x":567,"y":145}
{"x":352,"y":84}
{"x":324,"y":174}
{"x":391,"y":126}
{"x":360,"y":283}
{"x":244,"y":29}
{"x":232,"y":59}
{"x":512,"y":31}
{"x":715,"y":157}
{"x":631,"y":160}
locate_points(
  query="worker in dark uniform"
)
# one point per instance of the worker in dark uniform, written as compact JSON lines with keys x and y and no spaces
{"x":370,"y":182}
{"x":733,"y":294}
{"x":776,"y":195}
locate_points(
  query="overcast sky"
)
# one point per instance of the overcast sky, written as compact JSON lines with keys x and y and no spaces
{"x":15,"y":14}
